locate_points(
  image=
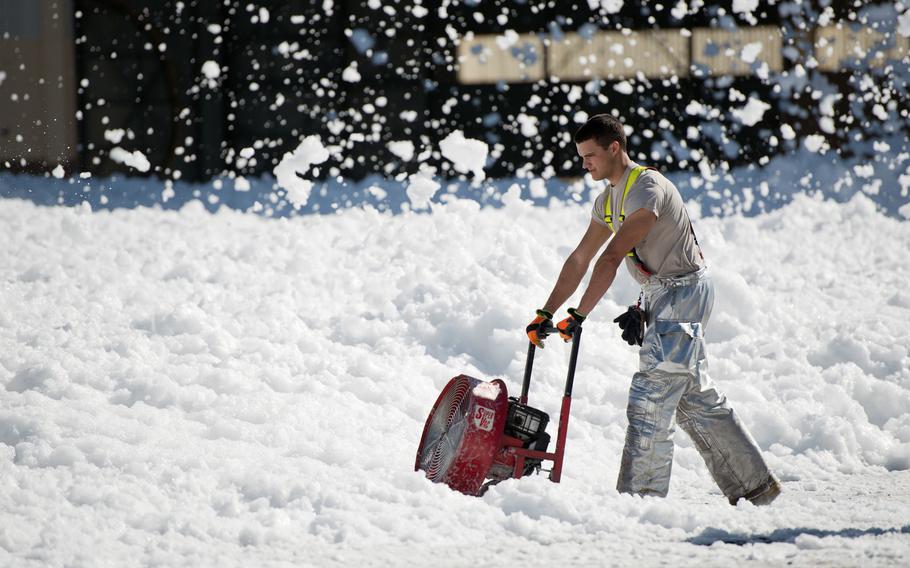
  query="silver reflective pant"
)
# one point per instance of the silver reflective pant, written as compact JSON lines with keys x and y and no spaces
{"x":672,"y":386}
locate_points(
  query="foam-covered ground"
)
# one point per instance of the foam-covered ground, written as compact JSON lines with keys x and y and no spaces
{"x":183,"y":388}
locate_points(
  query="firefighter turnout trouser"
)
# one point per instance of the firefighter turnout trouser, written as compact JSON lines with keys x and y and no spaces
{"x":672,"y":386}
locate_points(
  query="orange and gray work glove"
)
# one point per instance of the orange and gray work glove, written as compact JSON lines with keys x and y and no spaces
{"x":568,"y":326}
{"x":534,"y":334}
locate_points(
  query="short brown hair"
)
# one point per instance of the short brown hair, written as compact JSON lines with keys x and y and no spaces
{"x":604,"y":129}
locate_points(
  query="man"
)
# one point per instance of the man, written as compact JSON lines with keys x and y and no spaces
{"x":645,"y":214}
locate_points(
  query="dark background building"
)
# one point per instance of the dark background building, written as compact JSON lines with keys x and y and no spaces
{"x":192,"y":83}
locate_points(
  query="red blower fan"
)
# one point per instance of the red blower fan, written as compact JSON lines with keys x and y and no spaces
{"x":476,"y":435}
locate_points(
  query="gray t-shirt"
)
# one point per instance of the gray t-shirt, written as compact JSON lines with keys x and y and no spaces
{"x":669,"y":248}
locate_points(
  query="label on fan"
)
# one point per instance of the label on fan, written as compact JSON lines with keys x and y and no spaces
{"x":483,"y":418}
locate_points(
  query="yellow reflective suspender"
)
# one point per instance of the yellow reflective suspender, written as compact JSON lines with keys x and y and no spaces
{"x":608,"y":211}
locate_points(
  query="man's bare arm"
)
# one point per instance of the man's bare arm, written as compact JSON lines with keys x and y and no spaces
{"x":575,"y":267}
{"x":632,"y":231}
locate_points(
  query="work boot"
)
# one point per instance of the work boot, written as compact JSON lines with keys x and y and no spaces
{"x":764,"y":494}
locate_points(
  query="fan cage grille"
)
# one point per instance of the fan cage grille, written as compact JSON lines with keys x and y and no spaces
{"x":445,"y":431}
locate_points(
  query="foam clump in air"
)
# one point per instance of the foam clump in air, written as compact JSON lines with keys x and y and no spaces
{"x":750,"y":52}
{"x":294,"y":164}
{"x":903,"y":24}
{"x":466,"y":154}
{"x":608,"y":6}
{"x":211,"y":69}
{"x":421,"y":188}
{"x":212,"y":72}
{"x":752,"y":113}
{"x":404,"y":149}
{"x":134,"y":159}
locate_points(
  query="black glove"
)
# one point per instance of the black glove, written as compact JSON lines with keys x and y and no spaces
{"x":632,"y":324}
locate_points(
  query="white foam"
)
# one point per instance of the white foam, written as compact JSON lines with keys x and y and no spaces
{"x":404,"y":149}
{"x":752,"y":112}
{"x":295,"y":164}
{"x":211,"y":70}
{"x":815,"y":143}
{"x":607,"y":6}
{"x":134,"y":159}
{"x":227,"y":386}
{"x":903,"y":24}
{"x":750,"y":52}
{"x":467,"y":155}
{"x":350,"y":73}
{"x":744,"y":6}
{"x":421,"y":188}
{"x":114,"y":135}
{"x":624,"y":87}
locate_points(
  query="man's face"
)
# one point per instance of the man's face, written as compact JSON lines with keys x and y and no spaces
{"x":597,"y":160}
